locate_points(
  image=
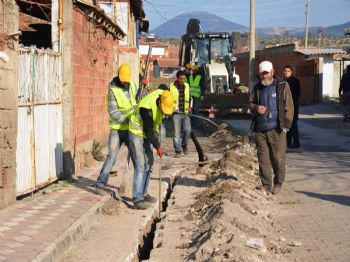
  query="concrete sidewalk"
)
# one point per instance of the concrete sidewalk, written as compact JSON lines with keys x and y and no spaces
{"x":38,"y":228}
{"x":44,"y":227}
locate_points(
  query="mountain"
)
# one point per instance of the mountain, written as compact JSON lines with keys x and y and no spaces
{"x":267,"y":32}
{"x":176,"y":26}
{"x":337,"y":30}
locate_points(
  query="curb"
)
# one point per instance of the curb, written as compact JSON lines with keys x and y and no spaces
{"x":57,"y":249}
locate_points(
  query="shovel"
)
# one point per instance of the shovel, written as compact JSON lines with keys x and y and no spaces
{"x":123,"y":184}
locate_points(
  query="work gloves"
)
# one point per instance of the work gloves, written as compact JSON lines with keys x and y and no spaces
{"x":159,"y":151}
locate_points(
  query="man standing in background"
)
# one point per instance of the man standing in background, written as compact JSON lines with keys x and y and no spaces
{"x":294,"y":85}
{"x":196,"y":87}
{"x":271,"y":104}
{"x":344,"y":93}
{"x":188,"y":69}
{"x":181,"y":121}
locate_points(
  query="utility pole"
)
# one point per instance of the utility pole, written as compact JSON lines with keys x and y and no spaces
{"x":115,"y":11}
{"x":252,"y":45}
{"x":307,"y":24}
{"x":319,"y":38}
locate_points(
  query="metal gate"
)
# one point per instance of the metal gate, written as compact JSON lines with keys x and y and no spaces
{"x":39,"y":138}
{"x":308,"y":74}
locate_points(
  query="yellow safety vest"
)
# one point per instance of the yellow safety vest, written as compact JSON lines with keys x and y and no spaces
{"x":149,"y":102}
{"x":175,"y":93}
{"x":195,"y":86}
{"x":125,"y":105}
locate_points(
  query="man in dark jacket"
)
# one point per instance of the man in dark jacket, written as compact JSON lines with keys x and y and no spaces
{"x":344,"y":93}
{"x":294,"y":85}
{"x":271,"y":103}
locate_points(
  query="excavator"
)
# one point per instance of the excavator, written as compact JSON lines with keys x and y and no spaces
{"x":213,"y":53}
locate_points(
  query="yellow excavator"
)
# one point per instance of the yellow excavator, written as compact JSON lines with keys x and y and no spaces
{"x":213,"y":53}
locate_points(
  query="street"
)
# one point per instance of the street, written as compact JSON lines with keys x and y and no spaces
{"x":312,"y":209}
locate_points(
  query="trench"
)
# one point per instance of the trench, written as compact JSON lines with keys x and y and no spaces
{"x":147,"y":247}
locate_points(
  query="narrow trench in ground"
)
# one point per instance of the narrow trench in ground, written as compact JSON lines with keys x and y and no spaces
{"x":146,"y":248}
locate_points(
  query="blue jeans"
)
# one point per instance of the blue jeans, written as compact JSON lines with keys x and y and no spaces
{"x":116,"y":138}
{"x":195,"y":111}
{"x":182,"y":131}
{"x":141,"y":151}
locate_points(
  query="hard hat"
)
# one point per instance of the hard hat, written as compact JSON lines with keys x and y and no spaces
{"x":124,"y":73}
{"x":167,"y":103}
{"x":188,"y":66}
{"x":194,"y":67}
{"x":265,"y":66}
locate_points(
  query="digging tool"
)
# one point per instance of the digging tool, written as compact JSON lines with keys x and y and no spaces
{"x":143,"y":91}
{"x":123,"y":184}
{"x":160,"y":174}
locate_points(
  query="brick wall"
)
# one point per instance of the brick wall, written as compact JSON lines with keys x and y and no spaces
{"x":92,"y":71}
{"x":281,"y":56}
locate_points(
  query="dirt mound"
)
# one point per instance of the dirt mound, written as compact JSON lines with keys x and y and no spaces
{"x":111,"y":207}
{"x":232,"y":218}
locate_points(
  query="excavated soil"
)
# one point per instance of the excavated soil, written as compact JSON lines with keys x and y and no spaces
{"x":231,"y":216}
{"x":111,"y":207}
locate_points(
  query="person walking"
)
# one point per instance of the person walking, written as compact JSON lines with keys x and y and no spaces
{"x":271,"y":104}
{"x":181,"y":121}
{"x":121,"y":104}
{"x":294,"y":85}
{"x":344,"y":94}
{"x":143,"y":132}
{"x":197,"y":91}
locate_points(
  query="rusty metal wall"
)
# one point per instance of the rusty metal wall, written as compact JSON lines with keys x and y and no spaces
{"x":39,"y":146}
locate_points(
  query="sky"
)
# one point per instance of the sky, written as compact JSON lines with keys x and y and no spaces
{"x":269,"y":13}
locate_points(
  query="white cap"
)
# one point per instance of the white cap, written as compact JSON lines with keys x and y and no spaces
{"x":265,"y":66}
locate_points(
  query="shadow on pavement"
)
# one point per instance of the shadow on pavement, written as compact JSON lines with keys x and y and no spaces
{"x":339,"y":199}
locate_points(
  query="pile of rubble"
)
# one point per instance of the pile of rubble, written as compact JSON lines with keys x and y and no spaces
{"x":232,"y":219}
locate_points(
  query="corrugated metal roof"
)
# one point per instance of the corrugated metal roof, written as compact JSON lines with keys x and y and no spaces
{"x":323,"y":51}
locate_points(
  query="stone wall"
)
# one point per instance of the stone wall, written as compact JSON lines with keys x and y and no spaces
{"x":8,"y":101}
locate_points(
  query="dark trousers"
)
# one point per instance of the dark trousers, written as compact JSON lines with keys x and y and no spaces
{"x":195,"y":111}
{"x":271,"y":150}
{"x":293,"y":135}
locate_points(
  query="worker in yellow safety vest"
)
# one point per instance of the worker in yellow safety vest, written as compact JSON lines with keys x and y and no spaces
{"x":188,"y":68}
{"x":121,"y":104}
{"x":143,"y":131}
{"x":197,"y":91}
{"x":181,"y":121}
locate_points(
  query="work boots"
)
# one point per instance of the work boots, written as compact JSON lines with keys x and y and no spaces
{"x":150,"y":198}
{"x":185,"y":150}
{"x":276,"y":189}
{"x":142,"y":205}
